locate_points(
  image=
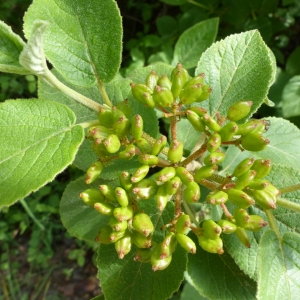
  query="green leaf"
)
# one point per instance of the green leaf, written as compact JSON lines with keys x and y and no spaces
{"x":89,"y":38}
{"x":81,"y":220}
{"x":291,"y":98}
{"x":279,"y":267}
{"x":189,"y":292}
{"x":194,"y":41}
{"x":127,"y":279}
{"x":166,"y":26}
{"x":292,"y":64}
{"x":39,"y":140}
{"x":283,"y":148}
{"x":238,"y":67}
{"x":218,"y":277}
{"x":11,"y":45}
{"x":174,"y":2}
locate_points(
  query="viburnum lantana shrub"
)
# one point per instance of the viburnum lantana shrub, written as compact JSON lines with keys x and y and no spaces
{"x":215,"y":202}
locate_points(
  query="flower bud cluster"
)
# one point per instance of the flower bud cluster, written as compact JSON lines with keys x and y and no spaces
{"x":120,"y":136}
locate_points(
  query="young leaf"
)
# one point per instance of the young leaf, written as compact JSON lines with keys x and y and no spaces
{"x":39,"y":139}
{"x":279,"y":266}
{"x":218,"y":277}
{"x":194,"y":41}
{"x":11,"y":46}
{"x":240,"y":67}
{"x":75,"y":213}
{"x":89,"y":38}
{"x":291,"y":98}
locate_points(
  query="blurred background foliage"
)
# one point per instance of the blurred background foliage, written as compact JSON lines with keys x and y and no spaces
{"x":31,"y":234}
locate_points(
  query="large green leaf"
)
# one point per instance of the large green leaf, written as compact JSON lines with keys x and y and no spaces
{"x":38,"y":140}
{"x":11,"y":45}
{"x":291,"y":98}
{"x":83,"y":41}
{"x":238,"y":67}
{"x":218,"y":277}
{"x":194,"y":41}
{"x":81,"y":220}
{"x":279,"y":267}
{"x":127,"y":279}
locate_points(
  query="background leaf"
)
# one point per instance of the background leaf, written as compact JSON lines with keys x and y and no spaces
{"x":239,"y":67}
{"x":279,"y":266}
{"x":194,"y":41}
{"x":189,"y":292}
{"x":291,"y":98}
{"x":292,"y":64}
{"x":218,"y":277}
{"x":81,"y":220}
{"x":83,"y":42}
{"x":11,"y":45}
{"x":39,"y":140}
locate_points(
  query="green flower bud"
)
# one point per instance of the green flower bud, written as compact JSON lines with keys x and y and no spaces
{"x":165,"y":174}
{"x":195,"y":80}
{"x":121,"y":196}
{"x":195,"y":120}
{"x":173,"y":185}
{"x":123,"y":245}
{"x":140,"y":240}
{"x":262,"y":168}
{"x":125,"y":107}
{"x":206,"y":91}
{"x":162,"y":198}
{"x":211,"y":229}
{"x":151,"y":80}
{"x":258,"y":184}
{"x":214,"y":158}
{"x":93,"y":172}
{"x":142,"y":223}
{"x":205,"y":172}
{"x":142,"y":93}
{"x":116,"y":235}
{"x":104,"y":208}
{"x":264,"y":198}
{"x":128,"y":153}
{"x":99,"y":132}
{"x":140,"y":173}
{"x":158,"y":263}
{"x":227,"y":226}
{"x":228,"y":131}
{"x":159,"y":144}
{"x":125,"y":181}
{"x":116,"y":225}
{"x":239,"y":110}
{"x":112,"y":143}
{"x":121,"y":126}
{"x":217,"y":197}
{"x":183,"y":224}
{"x":255,"y":223}
{"x":123,"y":213}
{"x":241,"y":217}
{"x":272,"y":189}
{"x":239,"y":198}
{"x":242,"y":235}
{"x":137,"y":126}
{"x":145,"y":188}
{"x":178,"y":81}
{"x":108,"y":191}
{"x":211,"y":123}
{"x":91,"y":196}
{"x":148,"y":159}
{"x":186,"y":243}
{"x":162,"y":96}
{"x":192,"y":192}
{"x":143,"y":145}
{"x":244,"y":179}
{"x":214,"y":142}
{"x":165,"y":82}
{"x":212,"y":246}
{"x":168,"y":245}
{"x":243,"y":167}
{"x":105,"y":116}
{"x":175,"y":151}
{"x":99,"y":148}
{"x":252,"y":125}
{"x":254,"y":142}
{"x":143,"y":255}
{"x":198,"y":110}
{"x":185,"y":176}
{"x":190,"y":94}
{"x":103,"y":235}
